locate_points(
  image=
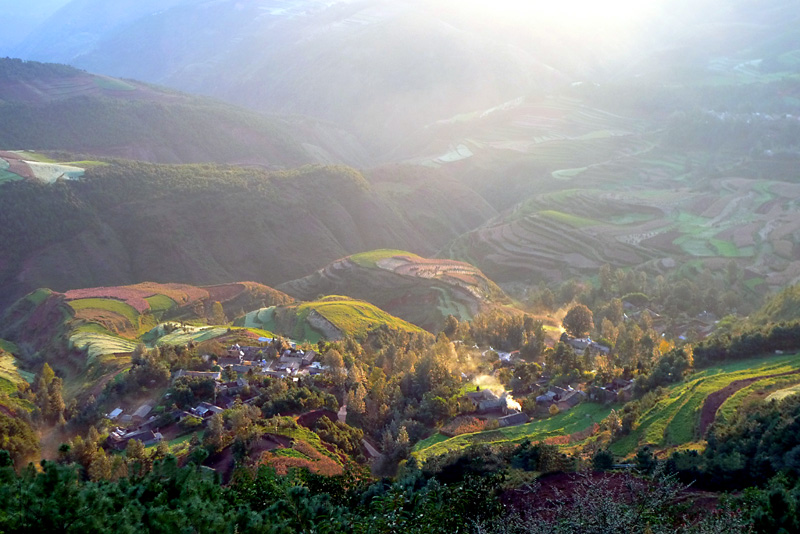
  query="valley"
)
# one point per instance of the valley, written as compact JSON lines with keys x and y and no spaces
{"x":392,"y":266}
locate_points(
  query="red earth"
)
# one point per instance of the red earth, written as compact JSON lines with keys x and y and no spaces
{"x":712,"y":403}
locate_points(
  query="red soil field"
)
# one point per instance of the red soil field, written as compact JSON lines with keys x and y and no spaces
{"x":709,"y":410}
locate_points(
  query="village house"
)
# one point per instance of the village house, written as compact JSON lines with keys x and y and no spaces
{"x":118,"y":439}
{"x":570,"y":400}
{"x":484,"y":400}
{"x":143,"y":411}
{"x":304,"y":358}
{"x":206,"y":409}
{"x":513,"y":419}
{"x":233,"y":388}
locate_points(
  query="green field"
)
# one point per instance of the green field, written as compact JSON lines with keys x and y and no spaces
{"x":777,"y":385}
{"x":5,"y":174}
{"x":160,"y":303}
{"x":113,"y":84}
{"x":448,"y":306}
{"x":100,"y":344}
{"x":371,"y":258}
{"x":783,"y":393}
{"x":674,"y":419}
{"x":725,"y":248}
{"x":9,"y":373}
{"x":29,"y":155}
{"x":579,"y":418}
{"x":567,"y":218}
{"x":115,"y":306}
{"x":347,"y":315}
{"x":354,"y":317}
{"x":38,"y":296}
{"x":184,"y":335}
{"x":567,"y":174}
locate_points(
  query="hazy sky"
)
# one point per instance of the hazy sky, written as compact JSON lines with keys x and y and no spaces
{"x":22,"y":16}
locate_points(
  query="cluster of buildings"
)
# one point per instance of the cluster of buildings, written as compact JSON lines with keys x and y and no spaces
{"x":486,"y":401}
{"x":618,"y":390}
{"x":143,"y":430}
{"x":563,"y":398}
{"x":582,"y":344}
{"x":291,"y":361}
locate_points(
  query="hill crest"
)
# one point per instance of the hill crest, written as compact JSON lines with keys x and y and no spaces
{"x":420,"y":290}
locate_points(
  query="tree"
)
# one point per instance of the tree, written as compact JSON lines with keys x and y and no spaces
{"x":55,"y":402}
{"x":218,"y":314}
{"x":335,"y":363}
{"x":450,"y":326}
{"x":214,"y":437}
{"x":579,"y":321}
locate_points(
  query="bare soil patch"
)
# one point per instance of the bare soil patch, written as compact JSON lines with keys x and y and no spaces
{"x":224,"y":292}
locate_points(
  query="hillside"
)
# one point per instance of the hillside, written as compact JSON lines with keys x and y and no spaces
{"x":587,"y":183}
{"x":330,"y":318}
{"x":681,"y":418}
{"x":419,"y":290}
{"x":60,"y":108}
{"x":87,"y":335}
{"x":391,"y":70}
{"x":127,"y":222}
{"x":289,"y":58}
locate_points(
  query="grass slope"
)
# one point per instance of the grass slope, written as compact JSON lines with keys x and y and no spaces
{"x":674,"y":420}
{"x":371,"y":258}
{"x":345,"y":316}
{"x":10,"y":374}
{"x":576,"y":420}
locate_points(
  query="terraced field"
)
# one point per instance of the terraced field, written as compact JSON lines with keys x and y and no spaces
{"x":97,"y":345}
{"x":419,"y":290}
{"x":578,"y":230}
{"x":25,"y":165}
{"x":783,"y":393}
{"x":329,"y":318}
{"x":577,"y":420}
{"x":130,"y":311}
{"x":185,"y":334}
{"x":10,"y":373}
{"x":676,"y":419}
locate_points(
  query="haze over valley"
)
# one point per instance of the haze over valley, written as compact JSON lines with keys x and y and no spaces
{"x":343,"y":266}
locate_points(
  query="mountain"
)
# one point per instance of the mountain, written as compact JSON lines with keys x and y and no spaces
{"x":420,"y":290}
{"x":389,"y":69}
{"x":22,"y":18}
{"x":126,"y":222}
{"x":56,"y":107}
{"x":385,"y":69}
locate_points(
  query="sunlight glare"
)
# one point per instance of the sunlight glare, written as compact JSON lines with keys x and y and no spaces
{"x":606,"y":12}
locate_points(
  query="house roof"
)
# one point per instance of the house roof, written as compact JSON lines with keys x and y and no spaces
{"x":143,"y":410}
{"x":514,"y":419}
{"x":482,"y":395}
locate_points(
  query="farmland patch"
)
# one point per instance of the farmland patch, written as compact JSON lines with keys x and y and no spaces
{"x":676,"y":419}
{"x":783,"y":393}
{"x":579,"y":419}
{"x":114,"y":306}
{"x":160,"y":303}
{"x":97,"y":345}
{"x":50,"y":172}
